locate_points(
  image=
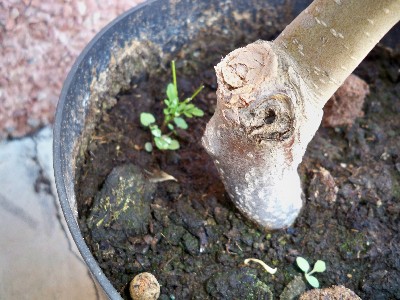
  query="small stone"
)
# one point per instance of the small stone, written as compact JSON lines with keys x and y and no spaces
{"x":14,"y":13}
{"x":123,"y":202}
{"x":34,"y":123}
{"x":191,"y":244}
{"x":385,"y":156}
{"x":221,"y":214}
{"x":323,"y":188}
{"x":398,"y":167}
{"x":81,"y":7}
{"x":294,"y":289}
{"x":144,"y":287}
{"x":346,"y":104}
{"x":393,"y":73}
{"x":332,"y":293}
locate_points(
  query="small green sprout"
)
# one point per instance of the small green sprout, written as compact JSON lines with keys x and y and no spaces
{"x":174,"y":114}
{"x":319,"y":266}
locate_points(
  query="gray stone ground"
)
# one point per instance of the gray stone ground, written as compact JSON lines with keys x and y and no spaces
{"x":38,"y":258}
{"x":39,"y":41}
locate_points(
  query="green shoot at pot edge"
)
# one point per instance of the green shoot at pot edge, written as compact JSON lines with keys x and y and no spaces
{"x":174,"y":114}
{"x":319,"y":266}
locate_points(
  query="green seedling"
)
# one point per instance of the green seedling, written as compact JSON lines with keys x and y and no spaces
{"x":319,"y":267}
{"x":174,"y":114}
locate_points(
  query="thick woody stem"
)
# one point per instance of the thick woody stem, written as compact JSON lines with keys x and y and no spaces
{"x":254,"y":136}
{"x":270,"y":99}
{"x":330,"y":38}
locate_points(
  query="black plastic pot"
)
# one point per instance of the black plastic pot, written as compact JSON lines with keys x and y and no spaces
{"x":169,"y":25}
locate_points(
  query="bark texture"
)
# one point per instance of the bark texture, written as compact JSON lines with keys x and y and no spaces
{"x":270,"y":100}
{"x":330,"y":38}
{"x":255,"y":137}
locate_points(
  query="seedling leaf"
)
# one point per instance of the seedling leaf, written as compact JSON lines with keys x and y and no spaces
{"x":188,"y":114}
{"x":181,"y":106}
{"x":148,"y":147}
{"x":161,"y":143}
{"x":170,"y":126}
{"x":312,"y":281}
{"x":167,"y":139}
{"x":303,"y":264}
{"x":146,"y":119}
{"x":197,"y":112}
{"x":181,"y":123}
{"x":171,"y":93}
{"x":155,"y":131}
{"x":174,"y":145}
{"x":319,"y":266}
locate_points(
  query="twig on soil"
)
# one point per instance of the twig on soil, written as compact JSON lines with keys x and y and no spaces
{"x":263,"y":264}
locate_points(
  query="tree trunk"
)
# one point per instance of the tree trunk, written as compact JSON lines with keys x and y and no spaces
{"x":270,"y":100}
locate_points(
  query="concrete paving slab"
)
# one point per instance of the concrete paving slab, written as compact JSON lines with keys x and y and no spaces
{"x":38,"y":258}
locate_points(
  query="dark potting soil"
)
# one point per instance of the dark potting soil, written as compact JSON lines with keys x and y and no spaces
{"x":188,"y":233}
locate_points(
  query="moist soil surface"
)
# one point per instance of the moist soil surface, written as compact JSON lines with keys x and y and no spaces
{"x":194,"y":240}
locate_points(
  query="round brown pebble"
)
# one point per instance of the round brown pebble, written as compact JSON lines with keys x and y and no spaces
{"x":144,"y":287}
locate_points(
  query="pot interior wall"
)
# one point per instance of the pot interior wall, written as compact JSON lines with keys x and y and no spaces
{"x":162,"y":28}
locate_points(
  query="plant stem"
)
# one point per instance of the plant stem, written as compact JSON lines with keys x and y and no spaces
{"x":196,"y":92}
{"x":310,"y":273}
{"x":174,"y":76}
{"x":167,"y":120}
{"x":330,"y":38}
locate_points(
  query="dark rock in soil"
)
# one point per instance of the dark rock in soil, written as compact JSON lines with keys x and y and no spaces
{"x":345,"y":106}
{"x":123,"y":204}
{"x":240,"y":283}
{"x":294,"y":289}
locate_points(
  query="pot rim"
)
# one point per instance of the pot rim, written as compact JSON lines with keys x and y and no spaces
{"x":73,"y":227}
